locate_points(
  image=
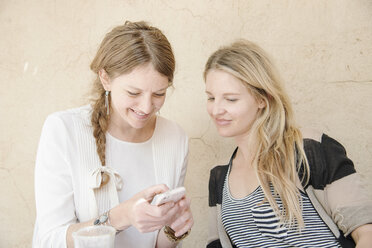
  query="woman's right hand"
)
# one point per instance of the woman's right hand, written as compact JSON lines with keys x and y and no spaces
{"x":138,"y":211}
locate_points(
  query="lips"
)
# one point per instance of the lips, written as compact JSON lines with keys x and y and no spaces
{"x":140,"y":115}
{"x":222,"y":122}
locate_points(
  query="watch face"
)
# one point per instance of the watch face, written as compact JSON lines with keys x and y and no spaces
{"x":102,"y":219}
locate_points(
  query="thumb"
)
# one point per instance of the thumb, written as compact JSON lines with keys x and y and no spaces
{"x":150,"y":192}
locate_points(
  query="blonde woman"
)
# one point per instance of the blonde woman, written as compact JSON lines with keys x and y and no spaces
{"x":102,"y":164}
{"x":282,"y":187}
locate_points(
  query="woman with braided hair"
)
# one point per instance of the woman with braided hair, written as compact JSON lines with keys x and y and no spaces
{"x":110,"y":158}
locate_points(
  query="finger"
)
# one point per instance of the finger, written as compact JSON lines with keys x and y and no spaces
{"x":149,"y":228}
{"x":181,"y":220}
{"x":150,"y":192}
{"x":185,"y":228}
{"x":149,"y":213}
{"x":160,"y":211}
{"x":163,"y":219}
{"x":155,"y":228}
{"x":184,"y":203}
{"x":168,"y":210}
{"x":172,"y":214}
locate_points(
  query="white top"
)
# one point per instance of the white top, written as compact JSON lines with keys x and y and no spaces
{"x":133,"y":162}
{"x":67,"y":174}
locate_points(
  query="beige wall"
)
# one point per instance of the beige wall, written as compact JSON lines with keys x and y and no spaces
{"x":322,"y":48}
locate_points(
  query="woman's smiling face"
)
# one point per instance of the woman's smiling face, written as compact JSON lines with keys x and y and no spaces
{"x":230,"y":104}
{"x":137,"y":96}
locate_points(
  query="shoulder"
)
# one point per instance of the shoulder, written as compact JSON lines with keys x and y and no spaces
{"x":327,"y":158}
{"x":219,"y":171}
{"x":217,"y":176}
{"x":314,"y":138}
{"x":64,"y":123}
{"x":70,"y":116}
{"x":216,"y":182}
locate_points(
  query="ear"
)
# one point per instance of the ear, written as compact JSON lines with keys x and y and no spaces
{"x":105,"y":79}
{"x":261,"y":103}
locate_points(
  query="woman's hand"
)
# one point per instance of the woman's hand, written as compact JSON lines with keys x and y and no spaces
{"x":138,"y":211}
{"x":363,"y":236}
{"x":183,"y":221}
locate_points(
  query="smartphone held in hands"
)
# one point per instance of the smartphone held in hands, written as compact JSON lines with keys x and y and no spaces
{"x":170,"y":195}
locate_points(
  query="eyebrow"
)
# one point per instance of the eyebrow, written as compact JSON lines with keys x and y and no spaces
{"x":225,"y":94}
{"x":134,"y":88}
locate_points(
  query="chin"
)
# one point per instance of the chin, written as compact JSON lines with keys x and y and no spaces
{"x":225,"y":133}
{"x":139,"y":124}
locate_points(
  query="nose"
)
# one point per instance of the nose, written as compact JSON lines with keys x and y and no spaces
{"x":146,"y":104}
{"x":217,"y":108}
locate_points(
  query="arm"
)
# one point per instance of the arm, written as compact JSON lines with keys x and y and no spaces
{"x":55,"y":208}
{"x":54,"y":195}
{"x":181,"y":223}
{"x":355,"y":210}
{"x":163,"y":241}
{"x":136,"y":212}
{"x":363,"y":236}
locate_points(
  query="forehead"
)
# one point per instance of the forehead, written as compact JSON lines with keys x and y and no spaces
{"x":144,"y":77}
{"x":221,"y":81}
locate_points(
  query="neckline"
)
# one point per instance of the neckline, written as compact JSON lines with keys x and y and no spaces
{"x":136,"y":143}
{"x":228,"y":186}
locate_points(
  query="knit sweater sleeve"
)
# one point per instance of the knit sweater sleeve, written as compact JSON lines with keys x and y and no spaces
{"x":345,"y":193}
{"x":54,"y":197}
{"x":185,"y":161}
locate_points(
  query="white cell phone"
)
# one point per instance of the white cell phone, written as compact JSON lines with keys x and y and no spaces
{"x":170,"y":195}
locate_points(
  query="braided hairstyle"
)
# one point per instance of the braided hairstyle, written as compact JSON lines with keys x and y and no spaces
{"x":123,"y":49}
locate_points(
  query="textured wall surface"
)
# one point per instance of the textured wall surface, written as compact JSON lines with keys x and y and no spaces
{"x":322,"y":49}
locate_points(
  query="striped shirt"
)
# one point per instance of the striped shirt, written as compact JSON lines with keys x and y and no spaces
{"x":252,"y":224}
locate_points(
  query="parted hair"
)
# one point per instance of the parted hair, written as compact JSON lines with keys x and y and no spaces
{"x":124,"y":48}
{"x":279,"y":155}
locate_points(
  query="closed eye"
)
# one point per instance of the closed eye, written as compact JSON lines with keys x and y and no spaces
{"x":133,"y":93}
{"x":210,"y":98}
{"x":159,"y":94}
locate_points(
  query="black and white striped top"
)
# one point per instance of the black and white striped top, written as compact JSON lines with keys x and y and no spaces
{"x":251,"y":224}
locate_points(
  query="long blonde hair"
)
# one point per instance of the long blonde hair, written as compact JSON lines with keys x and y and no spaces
{"x":124,"y":48}
{"x":280,"y":156}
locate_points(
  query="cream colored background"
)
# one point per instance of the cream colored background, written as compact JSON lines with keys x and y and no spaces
{"x":322,"y":48}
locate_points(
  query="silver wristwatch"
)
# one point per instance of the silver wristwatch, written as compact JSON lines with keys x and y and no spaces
{"x":103,"y":219}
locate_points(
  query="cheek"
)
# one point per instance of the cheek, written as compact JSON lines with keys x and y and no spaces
{"x":210,"y":108}
{"x":158,"y":102}
{"x":250,"y":114}
{"x":121,"y":101}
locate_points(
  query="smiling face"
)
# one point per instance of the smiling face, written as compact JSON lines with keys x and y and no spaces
{"x":230,"y":104}
{"x":136,"y":97}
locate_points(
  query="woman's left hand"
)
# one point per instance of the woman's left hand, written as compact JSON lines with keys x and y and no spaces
{"x":363,"y":236}
{"x":183,"y":220}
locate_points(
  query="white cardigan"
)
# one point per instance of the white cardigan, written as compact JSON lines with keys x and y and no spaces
{"x":67,"y":174}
